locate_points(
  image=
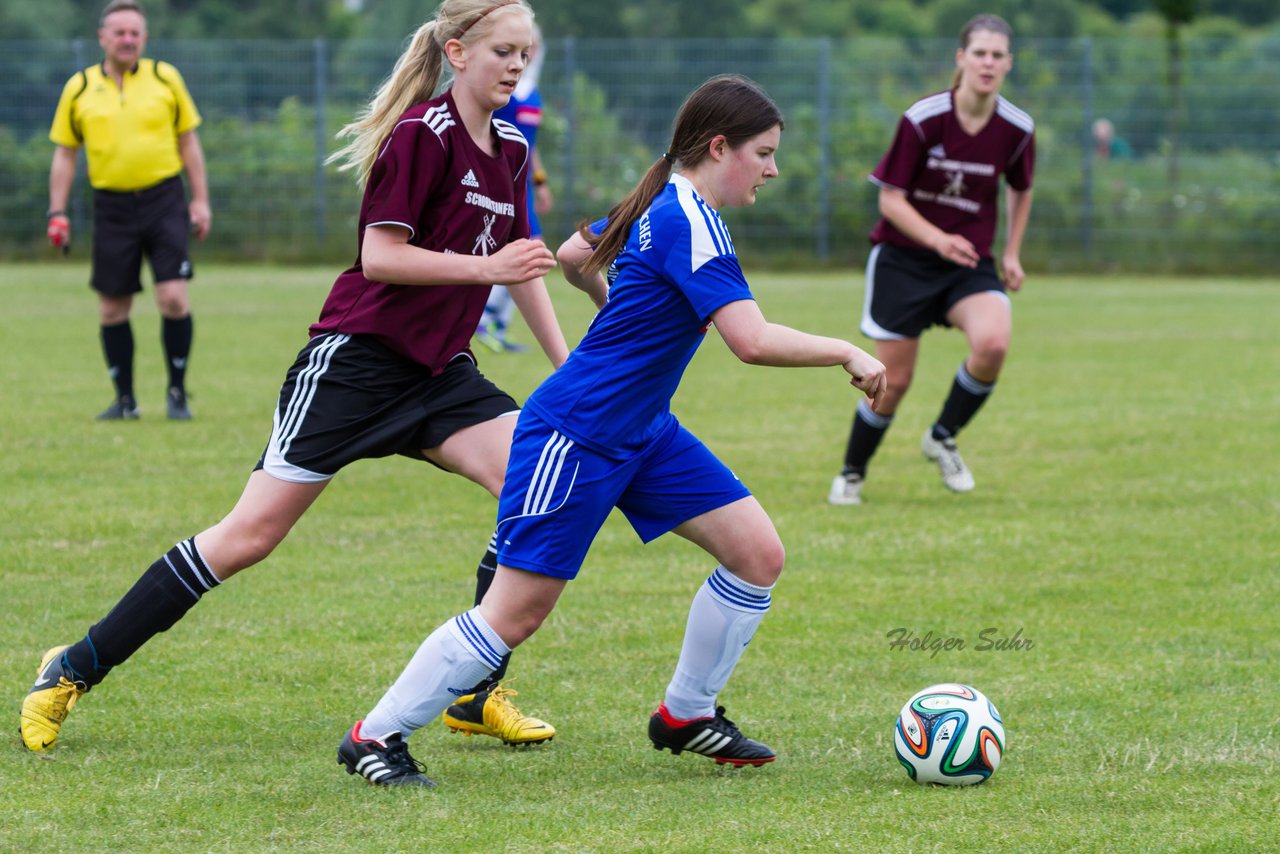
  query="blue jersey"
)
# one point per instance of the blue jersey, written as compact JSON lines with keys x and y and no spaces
{"x":614,"y":393}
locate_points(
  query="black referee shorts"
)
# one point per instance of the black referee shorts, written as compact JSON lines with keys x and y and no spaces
{"x":349,"y":397}
{"x":152,"y":222}
{"x":909,"y":290}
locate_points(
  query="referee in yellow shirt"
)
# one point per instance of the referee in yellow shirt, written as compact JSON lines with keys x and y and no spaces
{"x":138,"y":124}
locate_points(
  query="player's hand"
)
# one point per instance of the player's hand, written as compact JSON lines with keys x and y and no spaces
{"x":868,"y":375}
{"x":201,"y":219}
{"x":60,"y":233}
{"x":520,"y":261}
{"x":957,"y":249}
{"x":1013,"y":275}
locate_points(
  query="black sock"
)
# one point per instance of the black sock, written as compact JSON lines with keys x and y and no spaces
{"x":157,"y":600}
{"x":117,"y":347}
{"x":965,"y":399}
{"x":864,"y":437}
{"x":177,"y":335}
{"x":485,"y":573}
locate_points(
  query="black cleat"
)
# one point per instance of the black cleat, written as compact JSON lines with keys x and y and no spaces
{"x":124,"y":408}
{"x":716,"y":737}
{"x":382,"y":763}
{"x":176,"y":400}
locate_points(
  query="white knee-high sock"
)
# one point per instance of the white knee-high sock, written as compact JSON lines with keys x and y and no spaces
{"x":722,"y":620}
{"x":452,"y":659}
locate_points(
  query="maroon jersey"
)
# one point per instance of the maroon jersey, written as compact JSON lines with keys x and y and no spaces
{"x":432,"y":179}
{"x":950,"y":177}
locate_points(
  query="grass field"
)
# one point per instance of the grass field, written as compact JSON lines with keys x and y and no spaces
{"x":1125,"y":522}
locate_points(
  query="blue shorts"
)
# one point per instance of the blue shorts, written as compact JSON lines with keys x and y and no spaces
{"x":558,"y":493}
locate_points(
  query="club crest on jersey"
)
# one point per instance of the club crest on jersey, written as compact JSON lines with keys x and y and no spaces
{"x":485,"y":241}
{"x":469,"y":179}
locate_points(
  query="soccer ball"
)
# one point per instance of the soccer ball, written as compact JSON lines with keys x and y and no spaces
{"x":949,"y":734}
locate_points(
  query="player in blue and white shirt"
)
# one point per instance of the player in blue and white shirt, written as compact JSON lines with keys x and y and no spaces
{"x":600,"y":433}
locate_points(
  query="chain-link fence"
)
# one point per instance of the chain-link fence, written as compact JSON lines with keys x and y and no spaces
{"x":1189,"y":182}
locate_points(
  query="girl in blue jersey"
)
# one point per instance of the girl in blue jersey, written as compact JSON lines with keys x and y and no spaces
{"x":600,"y":433}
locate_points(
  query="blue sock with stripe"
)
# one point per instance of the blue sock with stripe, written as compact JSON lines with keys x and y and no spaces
{"x":157,"y":600}
{"x":722,"y":620}
{"x":449,"y":662}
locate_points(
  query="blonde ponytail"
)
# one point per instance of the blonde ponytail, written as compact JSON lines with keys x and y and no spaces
{"x":413,"y":80}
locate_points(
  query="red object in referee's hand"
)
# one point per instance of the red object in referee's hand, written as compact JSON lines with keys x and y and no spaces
{"x":60,"y":233}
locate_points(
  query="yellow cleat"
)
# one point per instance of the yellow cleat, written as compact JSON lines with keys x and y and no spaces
{"x":492,"y":713}
{"x":48,"y":702}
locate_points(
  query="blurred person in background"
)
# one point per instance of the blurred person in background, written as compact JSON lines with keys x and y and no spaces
{"x":931,"y":262}
{"x":137,"y":123}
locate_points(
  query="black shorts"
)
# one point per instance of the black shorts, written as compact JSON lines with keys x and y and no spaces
{"x":349,"y":397}
{"x":152,"y":222}
{"x":909,"y":290}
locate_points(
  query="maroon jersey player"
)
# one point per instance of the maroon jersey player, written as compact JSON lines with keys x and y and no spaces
{"x":388,"y":369}
{"x":931,"y":261}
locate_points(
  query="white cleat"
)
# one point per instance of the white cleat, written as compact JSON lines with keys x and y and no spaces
{"x":955,"y":474}
{"x":845,"y":489}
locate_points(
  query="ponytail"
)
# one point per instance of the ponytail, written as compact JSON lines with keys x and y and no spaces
{"x":413,"y":80}
{"x":624,"y":215}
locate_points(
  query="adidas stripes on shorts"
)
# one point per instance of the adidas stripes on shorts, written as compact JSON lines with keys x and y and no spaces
{"x":348,"y":397}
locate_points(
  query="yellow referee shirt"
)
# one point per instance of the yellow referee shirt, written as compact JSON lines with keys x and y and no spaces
{"x":131,"y":134}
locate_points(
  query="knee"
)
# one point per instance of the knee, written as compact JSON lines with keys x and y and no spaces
{"x":172,"y":306}
{"x":233,"y":545}
{"x":989,"y":352}
{"x":515,"y":627}
{"x":764,"y":565}
{"x":113,"y":312}
{"x":896,"y":390}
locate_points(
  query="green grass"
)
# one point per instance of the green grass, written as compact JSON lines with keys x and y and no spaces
{"x":1125,"y":521}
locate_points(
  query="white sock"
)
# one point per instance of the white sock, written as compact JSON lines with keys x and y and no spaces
{"x":722,"y":621}
{"x":449,"y":663}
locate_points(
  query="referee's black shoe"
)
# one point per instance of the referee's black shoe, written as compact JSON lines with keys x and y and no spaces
{"x":176,"y":400}
{"x":123,"y":408}
{"x":716,"y":737}
{"x":382,"y":763}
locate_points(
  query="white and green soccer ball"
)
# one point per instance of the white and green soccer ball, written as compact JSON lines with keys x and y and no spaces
{"x":949,"y":734}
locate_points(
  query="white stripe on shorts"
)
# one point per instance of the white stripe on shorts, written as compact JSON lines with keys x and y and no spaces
{"x":870,"y":328}
{"x":284,"y":431}
{"x":542,"y":485}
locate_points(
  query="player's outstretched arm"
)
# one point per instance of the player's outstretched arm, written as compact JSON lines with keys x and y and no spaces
{"x":756,"y":341}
